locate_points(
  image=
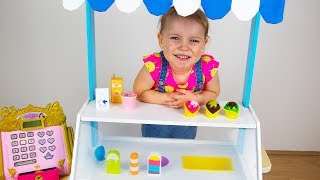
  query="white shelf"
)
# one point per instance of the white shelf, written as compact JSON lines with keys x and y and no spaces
{"x":173,"y":149}
{"x":244,"y":149}
{"x":159,"y":114}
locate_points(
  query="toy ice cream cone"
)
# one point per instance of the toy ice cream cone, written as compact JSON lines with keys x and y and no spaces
{"x":212,"y":109}
{"x":232,"y":110}
{"x":191,"y":108}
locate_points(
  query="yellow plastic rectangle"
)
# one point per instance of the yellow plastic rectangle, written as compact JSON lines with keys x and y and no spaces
{"x":116,"y":89}
{"x":207,"y":163}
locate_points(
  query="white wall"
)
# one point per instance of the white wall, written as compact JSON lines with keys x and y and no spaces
{"x":43,"y":59}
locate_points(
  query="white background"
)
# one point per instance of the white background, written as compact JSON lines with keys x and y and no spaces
{"x":44,"y":59}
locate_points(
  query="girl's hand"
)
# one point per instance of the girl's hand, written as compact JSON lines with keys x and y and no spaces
{"x":182,"y":96}
{"x":167,"y":98}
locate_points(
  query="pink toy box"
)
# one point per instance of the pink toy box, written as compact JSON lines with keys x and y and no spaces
{"x":35,"y":142}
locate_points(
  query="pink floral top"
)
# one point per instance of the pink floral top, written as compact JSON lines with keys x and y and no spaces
{"x":153,"y":63}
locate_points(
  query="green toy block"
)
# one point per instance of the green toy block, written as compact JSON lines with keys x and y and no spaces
{"x":113,"y":164}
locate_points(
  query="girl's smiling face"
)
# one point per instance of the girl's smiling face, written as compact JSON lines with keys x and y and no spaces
{"x":183,"y":41}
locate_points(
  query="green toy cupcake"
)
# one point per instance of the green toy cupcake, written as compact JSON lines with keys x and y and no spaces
{"x":212,"y":109}
{"x":232,"y":110}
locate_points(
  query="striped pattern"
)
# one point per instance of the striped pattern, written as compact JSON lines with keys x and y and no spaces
{"x":154,"y":164}
{"x":134,"y":164}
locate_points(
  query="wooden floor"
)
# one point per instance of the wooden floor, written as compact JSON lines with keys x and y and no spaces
{"x":287,"y":165}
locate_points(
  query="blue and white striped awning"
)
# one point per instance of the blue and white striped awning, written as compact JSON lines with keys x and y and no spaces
{"x":244,"y":10}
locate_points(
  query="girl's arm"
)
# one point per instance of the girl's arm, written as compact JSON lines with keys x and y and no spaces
{"x":143,"y":87}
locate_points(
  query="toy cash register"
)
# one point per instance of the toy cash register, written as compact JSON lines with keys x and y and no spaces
{"x":35,"y":143}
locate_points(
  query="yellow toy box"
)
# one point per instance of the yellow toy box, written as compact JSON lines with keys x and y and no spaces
{"x":116,"y":89}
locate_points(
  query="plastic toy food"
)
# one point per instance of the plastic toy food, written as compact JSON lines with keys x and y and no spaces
{"x":154,"y":164}
{"x":113,"y":164}
{"x":134,"y":164}
{"x":116,"y":89}
{"x":191,"y":108}
{"x":212,"y":109}
{"x":232,"y":110}
{"x":164,"y":161}
{"x":207,"y":163}
{"x":128,"y":100}
{"x":99,"y":153}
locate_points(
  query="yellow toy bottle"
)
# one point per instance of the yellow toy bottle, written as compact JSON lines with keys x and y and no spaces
{"x":116,"y":89}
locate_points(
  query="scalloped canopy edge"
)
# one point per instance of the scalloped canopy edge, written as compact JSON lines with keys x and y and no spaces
{"x":271,"y":10}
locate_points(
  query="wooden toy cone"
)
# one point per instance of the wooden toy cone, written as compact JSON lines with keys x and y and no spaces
{"x":134,"y":164}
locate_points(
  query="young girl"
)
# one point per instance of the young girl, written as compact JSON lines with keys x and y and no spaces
{"x":180,"y":72}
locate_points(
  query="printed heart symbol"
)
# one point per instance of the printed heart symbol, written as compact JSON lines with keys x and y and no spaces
{"x":52,"y":148}
{"x":43,"y":149}
{"x":42,"y":141}
{"x":40,"y":134}
{"x":49,"y":133}
{"x":51,"y":140}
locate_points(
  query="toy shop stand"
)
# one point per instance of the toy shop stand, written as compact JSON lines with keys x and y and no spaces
{"x":238,"y":157}
{"x":35,"y":143}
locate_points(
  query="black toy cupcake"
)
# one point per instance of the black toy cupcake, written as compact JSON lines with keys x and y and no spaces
{"x":212,"y":109}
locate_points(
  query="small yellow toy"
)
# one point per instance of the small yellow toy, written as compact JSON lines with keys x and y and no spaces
{"x":116,"y":89}
{"x":207,"y":163}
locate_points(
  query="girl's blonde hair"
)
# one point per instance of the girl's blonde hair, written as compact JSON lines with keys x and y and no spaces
{"x":198,"y":16}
